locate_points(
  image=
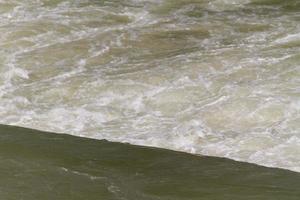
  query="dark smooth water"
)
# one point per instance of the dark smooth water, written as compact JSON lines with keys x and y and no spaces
{"x":41,"y":166}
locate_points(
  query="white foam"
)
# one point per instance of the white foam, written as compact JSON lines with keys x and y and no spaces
{"x":287,"y":39}
{"x":182,"y":81}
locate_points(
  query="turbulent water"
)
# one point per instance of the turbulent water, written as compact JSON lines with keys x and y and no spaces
{"x":218,"y":77}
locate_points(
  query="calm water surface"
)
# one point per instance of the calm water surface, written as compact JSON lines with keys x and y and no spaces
{"x":37,"y":165}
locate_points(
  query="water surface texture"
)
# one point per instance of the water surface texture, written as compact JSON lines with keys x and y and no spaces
{"x":37,"y":165}
{"x":218,"y":77}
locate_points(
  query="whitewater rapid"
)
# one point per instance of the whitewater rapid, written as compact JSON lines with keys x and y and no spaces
{"x":219,"y":78}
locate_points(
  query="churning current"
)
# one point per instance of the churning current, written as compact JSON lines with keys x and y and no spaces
{"x":210,"y":77}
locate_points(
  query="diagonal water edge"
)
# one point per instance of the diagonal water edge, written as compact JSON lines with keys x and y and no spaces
{"x":56,"y":168}
{"x":218,"y":78}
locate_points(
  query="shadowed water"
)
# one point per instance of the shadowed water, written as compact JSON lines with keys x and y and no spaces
{"x":39,"y":165}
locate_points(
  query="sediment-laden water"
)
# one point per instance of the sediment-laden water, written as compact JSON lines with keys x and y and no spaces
{"x":218,"y":77}
{"x":37,"y":165}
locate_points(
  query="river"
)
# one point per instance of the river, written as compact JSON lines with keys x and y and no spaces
{"x":217,"y":78}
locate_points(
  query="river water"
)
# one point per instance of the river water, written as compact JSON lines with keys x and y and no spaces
{"x":37,"y":165}
{"x":218,"y":78}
